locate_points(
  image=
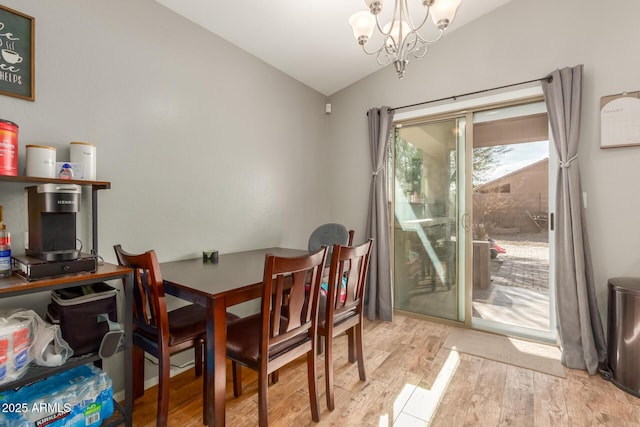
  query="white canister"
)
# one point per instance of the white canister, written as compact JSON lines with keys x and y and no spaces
{"x":41,"y":161}
{"x":85,"y":153}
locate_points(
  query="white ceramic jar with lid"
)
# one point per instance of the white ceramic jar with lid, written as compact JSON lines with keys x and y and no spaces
{"x":41,"y":161}
{"x":85,"y":153}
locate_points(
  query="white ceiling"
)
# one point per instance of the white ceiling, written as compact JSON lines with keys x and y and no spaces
{"x":310,"y":40}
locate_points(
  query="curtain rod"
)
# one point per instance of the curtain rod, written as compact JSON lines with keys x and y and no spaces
{"x":455,"y":97}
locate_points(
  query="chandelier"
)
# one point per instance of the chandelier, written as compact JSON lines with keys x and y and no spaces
{"x":401,"y":38}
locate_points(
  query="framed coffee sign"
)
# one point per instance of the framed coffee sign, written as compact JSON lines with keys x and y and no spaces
{"x":17,"y":36}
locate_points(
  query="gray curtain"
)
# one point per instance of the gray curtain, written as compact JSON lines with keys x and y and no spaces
{"x":379,"y":295}
{"x":579,"y":324}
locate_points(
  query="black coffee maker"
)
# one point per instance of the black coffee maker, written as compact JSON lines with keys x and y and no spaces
{"x":52,"y":210}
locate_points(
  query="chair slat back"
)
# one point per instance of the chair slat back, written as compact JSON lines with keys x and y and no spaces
{"x":284,"y":312}
{"x":149,"y":305}
{"x":348,"y":274}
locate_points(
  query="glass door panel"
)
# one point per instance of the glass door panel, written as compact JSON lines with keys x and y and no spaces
{"x":511,"y":280}
{"x":426,"y":205}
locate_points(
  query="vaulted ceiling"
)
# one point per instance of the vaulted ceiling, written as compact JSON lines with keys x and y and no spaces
{"x":309,"y":40}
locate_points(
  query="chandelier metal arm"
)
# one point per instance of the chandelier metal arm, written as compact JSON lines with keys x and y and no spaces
{"x":410,"y":20}
{"x":433,"y":40}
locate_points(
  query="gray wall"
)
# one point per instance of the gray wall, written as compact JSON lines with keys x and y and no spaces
{"x":205,"y":145}
{"x":521,"y":41}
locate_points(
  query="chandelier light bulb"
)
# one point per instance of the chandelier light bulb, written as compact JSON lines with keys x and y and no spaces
{"x":362,"y":24}
{"x":397,"y":31}
{"x":443,"y":12}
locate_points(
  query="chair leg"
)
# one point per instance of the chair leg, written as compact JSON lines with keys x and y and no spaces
{"x":198,"y":358}
{"x":312,"y":378}
{"x":352,"y":345}
{"x":237,"y":378}
{"x":360,"y":351}
{"x":274,"y":377}
{"x":163,"y":388}
{"x":328,"y":371}
{"x":263,"y":409}
{"x":320,"y":344}
{"x":205,"y":395}
{"x":138,"y":372}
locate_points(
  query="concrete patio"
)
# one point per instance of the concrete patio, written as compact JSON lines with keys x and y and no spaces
{"x":519,"y":290}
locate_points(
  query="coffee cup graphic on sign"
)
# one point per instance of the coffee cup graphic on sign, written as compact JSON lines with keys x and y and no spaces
{"x":11,"y":56}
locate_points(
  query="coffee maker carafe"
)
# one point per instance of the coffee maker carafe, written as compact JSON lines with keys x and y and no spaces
{"x":52,"y":210}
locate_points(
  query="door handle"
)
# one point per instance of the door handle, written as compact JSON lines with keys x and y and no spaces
{"x":465,"y":221}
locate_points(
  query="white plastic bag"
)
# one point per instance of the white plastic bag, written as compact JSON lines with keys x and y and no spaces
{"x":49,"y":348}
{"x":25,"y":337}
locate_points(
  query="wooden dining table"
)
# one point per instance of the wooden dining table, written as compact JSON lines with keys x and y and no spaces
{"x":235,"y":278}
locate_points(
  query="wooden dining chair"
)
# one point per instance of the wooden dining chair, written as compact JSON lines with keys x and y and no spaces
{"x":280,"y":333}
{"x":158,"y":331}
{"x":328,"y":234}
{"x":341,"y":307}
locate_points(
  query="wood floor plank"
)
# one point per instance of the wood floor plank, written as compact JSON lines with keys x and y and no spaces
{"x":412,"y":381}
{"x":550,"y":408}
{"x":383,"y":400}
{"x":593,"y":401}
{"x":455,"y":403}
{"x":421,"y":352}
{"x":485,"y":403}
{"x":576,"y":398}
{"x":517,"y":404}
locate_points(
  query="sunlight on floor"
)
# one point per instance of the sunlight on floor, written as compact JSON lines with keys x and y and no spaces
{"x":415,"y":405}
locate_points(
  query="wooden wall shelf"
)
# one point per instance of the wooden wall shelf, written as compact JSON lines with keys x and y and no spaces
{"x":99,"y":185}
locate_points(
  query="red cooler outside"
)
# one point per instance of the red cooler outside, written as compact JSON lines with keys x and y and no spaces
{"x":8,"y":148}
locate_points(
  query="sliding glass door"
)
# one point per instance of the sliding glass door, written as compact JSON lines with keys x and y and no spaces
{"x":426,"y":183}
{"x":471,"y":205}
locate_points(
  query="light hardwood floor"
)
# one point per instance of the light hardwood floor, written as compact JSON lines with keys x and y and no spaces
{"x":412,"y":381}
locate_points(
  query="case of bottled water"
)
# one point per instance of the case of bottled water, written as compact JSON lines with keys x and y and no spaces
{"x":78,"y":397}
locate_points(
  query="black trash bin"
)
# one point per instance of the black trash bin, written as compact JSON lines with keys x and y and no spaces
{"x":622,"y":333}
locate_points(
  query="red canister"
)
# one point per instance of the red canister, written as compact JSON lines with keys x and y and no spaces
{"x":8,"y":148}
